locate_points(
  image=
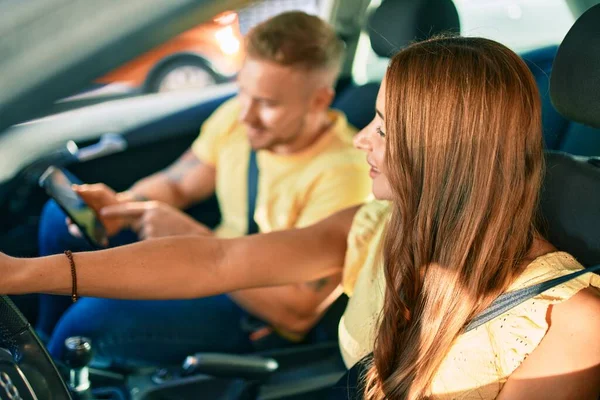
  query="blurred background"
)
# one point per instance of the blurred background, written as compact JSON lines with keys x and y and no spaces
{"x":522,"y":25}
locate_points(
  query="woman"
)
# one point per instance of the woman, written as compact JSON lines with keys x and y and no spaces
{"x":456,"y":149}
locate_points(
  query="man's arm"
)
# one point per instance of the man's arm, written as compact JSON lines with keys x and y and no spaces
{"x":192,"y":178}
{"x":291,"y":308}
{"x":296,"y":308}
{"x":187,"y":181}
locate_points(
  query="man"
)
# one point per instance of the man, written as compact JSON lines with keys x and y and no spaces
{"x":278,"y":133}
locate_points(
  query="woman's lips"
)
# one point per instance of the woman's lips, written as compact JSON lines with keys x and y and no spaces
{"x":373,"y":172}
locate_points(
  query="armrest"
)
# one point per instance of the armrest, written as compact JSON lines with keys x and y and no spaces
{"x":229,"y":365}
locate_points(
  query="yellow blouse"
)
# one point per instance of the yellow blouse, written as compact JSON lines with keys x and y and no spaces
{"x":481,"y":360}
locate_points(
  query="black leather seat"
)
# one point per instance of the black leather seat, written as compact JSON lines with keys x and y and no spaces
{"x":569,"y":201}
{"x":560,"y":133}
{"x":569,"y":205}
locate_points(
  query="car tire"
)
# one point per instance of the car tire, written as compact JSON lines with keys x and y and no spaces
{"x":189,"y":73}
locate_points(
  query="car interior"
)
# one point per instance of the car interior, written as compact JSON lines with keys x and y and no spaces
{"x":128,"y":139}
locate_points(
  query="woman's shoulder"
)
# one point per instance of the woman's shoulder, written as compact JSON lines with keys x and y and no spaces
{"x":567,"y":305}
{"x":578,"y":319}
{"x":580,"y":312}
{"x":566,"y":363}
{"x":532,"y":315}
{"x":525,"y":328}
{"x":538,"y":334}
{"x":368,"y":224}
{"x":364,"y":241}
{"x":375,"y":208}
{"x":370,"y":217}
{"x":576,"y":316}
{"x":553,"y":265}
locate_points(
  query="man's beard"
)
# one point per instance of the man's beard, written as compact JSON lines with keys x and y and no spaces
{"x":274,"y":141}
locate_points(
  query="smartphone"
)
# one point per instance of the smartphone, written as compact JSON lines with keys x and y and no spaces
{"x":57,"y":184}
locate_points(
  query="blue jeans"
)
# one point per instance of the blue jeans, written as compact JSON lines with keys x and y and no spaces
{"x":134,"y":332}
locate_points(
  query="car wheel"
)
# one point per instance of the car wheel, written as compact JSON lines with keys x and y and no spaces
{"x":183,"y":74}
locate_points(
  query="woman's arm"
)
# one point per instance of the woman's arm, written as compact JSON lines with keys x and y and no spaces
{"x":187,"y":267}
{"x":566,"y":364}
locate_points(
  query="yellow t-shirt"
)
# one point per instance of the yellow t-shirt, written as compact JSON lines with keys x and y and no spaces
{"x":481,"y":360}
{"x":294,"y":190}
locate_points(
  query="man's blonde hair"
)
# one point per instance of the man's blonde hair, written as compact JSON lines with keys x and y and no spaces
{"x":296,"y":39}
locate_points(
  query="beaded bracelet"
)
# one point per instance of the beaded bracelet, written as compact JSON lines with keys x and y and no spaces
{"x":74,"y":295}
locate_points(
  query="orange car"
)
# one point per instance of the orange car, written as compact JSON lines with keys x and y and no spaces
{"x":207,"y":54}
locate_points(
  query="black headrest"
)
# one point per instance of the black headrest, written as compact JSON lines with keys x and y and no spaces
{"x":575,"y":79}
{"x":397,"y":23}
{"x":569,"y":205}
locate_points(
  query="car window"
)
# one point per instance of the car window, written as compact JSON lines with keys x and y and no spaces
{"x":521,"y":25}
{"x":201,"y":58}
{"x":262,"y":10}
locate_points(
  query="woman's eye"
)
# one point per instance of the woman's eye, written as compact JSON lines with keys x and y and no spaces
{"x":380,"y":132}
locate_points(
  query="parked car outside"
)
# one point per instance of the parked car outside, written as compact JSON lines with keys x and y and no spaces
{"x":205,"y":55}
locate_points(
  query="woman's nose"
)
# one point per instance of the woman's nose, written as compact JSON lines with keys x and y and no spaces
{"x":361,"y":140}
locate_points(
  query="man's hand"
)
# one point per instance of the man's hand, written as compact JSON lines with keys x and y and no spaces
{"x":153,"y":219}
{"x":98,"y":196}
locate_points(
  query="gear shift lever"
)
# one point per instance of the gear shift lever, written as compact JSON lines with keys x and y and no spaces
{"x":78,"y":354}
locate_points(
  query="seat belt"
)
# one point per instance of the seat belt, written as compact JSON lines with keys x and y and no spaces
{"x":510,"y":300}
{"x":262,"y":336}
{"x":350,"y":384}
{"x":252,"y":193}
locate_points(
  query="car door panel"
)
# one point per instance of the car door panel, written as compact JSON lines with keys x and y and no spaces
{"x":157,"y":130}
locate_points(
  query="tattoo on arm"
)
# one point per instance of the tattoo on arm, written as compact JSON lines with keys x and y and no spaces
{"x":177,"y":171}
{"x":318,"y":285}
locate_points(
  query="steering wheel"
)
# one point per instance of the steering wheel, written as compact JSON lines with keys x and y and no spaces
{"x":26,"y":370}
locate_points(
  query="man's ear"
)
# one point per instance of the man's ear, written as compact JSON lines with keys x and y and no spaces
{"x":322,"y":99}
